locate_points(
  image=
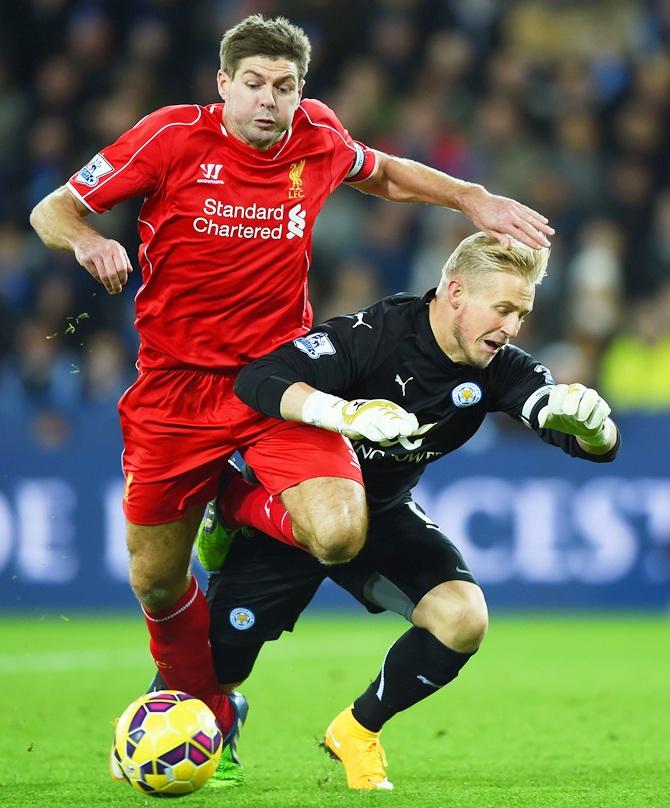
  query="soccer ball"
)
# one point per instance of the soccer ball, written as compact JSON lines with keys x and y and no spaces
{"x":167,"y":743}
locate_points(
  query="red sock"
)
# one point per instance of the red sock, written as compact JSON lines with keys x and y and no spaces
{"x":180,"y":647}
{"x":242,"y":503}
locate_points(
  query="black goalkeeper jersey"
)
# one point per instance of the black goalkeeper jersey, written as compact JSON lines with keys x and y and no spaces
{"x":389,"y":351}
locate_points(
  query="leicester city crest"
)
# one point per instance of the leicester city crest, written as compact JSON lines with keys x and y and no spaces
{"x":466,"y":394}
{"x":242,"y":618}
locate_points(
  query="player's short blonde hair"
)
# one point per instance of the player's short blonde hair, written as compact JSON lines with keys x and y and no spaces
{"x":479,"y":255}
{"x":276,"y":38}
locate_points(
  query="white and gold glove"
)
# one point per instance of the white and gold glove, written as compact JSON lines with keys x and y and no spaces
{"x":579,"y":411}
{"x":374,"y":419}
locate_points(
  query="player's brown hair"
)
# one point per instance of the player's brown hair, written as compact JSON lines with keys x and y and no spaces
{"x":479,"y":255}
{"x":255,"y":36}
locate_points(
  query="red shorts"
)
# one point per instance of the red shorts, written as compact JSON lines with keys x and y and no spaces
{"x":180,"y":426}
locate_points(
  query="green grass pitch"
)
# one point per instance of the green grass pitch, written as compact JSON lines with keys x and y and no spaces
{"x":552,"y":712}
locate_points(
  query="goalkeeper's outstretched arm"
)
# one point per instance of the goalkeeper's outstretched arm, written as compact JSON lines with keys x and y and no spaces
{"x":280,"y":394}
{"x":374,"y":419}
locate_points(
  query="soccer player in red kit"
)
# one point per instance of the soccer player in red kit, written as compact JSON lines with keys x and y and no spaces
{"x":231,"y":192}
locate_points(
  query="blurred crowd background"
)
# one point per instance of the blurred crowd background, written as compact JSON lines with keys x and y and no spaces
{"x":563,"y":105}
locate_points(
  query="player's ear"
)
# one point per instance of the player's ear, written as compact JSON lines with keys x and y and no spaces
{"x":455,"y":292}
{"x":301,"y":85}
{"x":222,"y":82}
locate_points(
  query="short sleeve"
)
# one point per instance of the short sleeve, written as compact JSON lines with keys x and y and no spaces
{"x":352,"y":161}
{"x":131,"y":166}
{"x":364,"y":165}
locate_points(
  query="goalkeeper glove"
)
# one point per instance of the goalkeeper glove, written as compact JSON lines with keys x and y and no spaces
{"x":375,"y":419}
{"x":579,"y":411}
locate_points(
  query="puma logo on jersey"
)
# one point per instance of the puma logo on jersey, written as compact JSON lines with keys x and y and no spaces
{"x":210,"y":173}
{"x":359,"y":320}
{"x":402,"y":383}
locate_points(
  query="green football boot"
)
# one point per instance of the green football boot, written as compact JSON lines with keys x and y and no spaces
{"x":213,"y":539}
{"x":229,"y":772}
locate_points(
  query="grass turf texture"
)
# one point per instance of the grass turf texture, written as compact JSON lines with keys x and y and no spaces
{"x":551,"y":712}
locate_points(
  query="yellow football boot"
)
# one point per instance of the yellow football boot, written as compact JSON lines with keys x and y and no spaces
{"x":360,"y":752}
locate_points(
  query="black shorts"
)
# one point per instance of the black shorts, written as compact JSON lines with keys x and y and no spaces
{"x":265,"y":585}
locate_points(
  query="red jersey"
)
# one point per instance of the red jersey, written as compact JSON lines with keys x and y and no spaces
{"x":225,"y":229}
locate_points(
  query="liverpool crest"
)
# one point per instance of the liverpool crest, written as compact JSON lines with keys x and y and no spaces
{"x":295,"y":175}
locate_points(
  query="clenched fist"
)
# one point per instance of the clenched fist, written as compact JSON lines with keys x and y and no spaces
{"x":374,"y":419}
{"x":580,"y":411}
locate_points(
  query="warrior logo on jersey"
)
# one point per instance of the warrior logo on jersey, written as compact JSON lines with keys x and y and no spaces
{"x":210,"y":173}
{"x":242,"y":618}
{"x":295,"y":175}
{"x":90,"y":174}
{"x":466,"y":394}
{"x":315,"y":345}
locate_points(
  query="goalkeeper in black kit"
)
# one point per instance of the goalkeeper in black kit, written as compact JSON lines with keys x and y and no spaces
{"x":408,"y":380}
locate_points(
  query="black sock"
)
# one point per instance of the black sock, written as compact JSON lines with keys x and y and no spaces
{"x":415,"y":667}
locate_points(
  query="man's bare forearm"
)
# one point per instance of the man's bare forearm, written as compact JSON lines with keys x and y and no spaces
{"x":400,"y":180}
{"x":294,"y":399}
{"x":58,"y":221}
{"x":403,"y":180}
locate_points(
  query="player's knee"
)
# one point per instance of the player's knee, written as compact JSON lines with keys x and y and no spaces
{"x":154,"y":590}
{"x":473,"y":627}
{"x":329,"y":516}
{"x":339,"y":538}
{"x":159,"y":560}
{"x":462,"y":624}
{"x":153,"y":596}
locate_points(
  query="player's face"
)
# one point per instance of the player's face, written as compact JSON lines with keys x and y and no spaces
{"x":486,"y":317}
{"x":261,"y":99}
